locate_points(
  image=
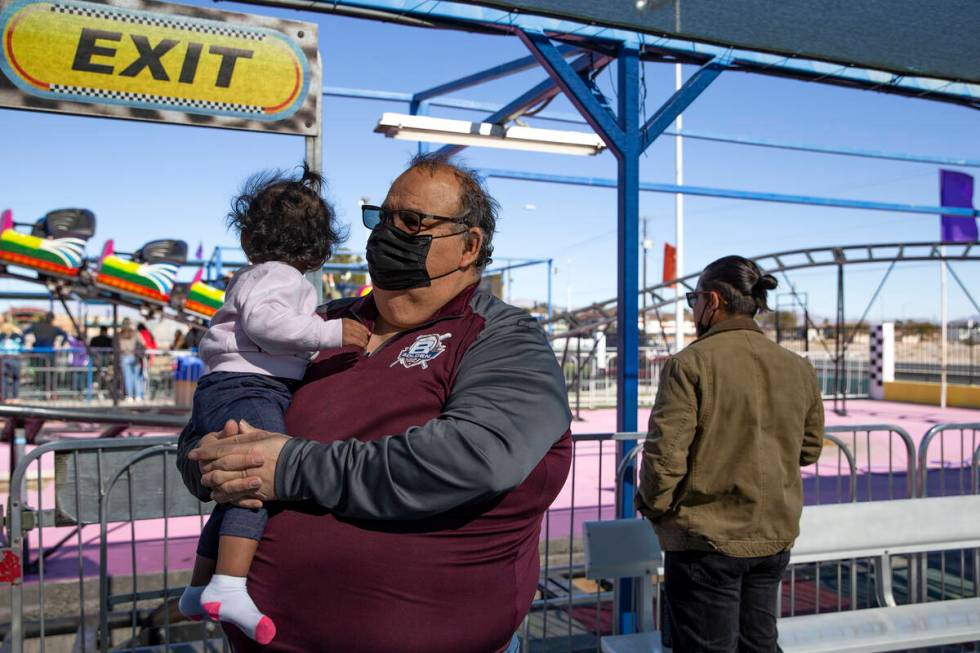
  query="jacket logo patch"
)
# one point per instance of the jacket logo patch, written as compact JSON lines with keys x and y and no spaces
{"x":424,"y":349}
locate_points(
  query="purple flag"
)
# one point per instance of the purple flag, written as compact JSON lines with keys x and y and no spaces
{"x":956,"y":189}
{"x":200,"y":251}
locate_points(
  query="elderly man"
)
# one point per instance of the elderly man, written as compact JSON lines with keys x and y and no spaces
{"x":411,"y":492}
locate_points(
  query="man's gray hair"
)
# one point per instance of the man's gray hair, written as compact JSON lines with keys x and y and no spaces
{"x":478,"y":208}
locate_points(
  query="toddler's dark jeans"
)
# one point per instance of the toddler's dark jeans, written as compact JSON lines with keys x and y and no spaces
{"x":262,"y":402}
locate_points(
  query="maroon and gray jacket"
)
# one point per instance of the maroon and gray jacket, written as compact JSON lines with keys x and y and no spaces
{"x":414,"y":486}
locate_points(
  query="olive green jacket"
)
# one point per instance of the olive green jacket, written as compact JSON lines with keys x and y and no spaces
{"x":736,"y":416}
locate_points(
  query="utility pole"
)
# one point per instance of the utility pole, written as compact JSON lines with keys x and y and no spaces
{"x":679,"y":221}
{"x":943,"y":336}
{"x":647,"y":244}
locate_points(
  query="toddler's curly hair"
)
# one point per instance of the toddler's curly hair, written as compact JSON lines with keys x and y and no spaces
{"x":281,"y":217}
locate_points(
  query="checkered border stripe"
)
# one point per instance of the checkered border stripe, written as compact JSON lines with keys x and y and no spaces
{"x":875,"y":354}
{"x":145,"y":97}
{"x":158,"y":22}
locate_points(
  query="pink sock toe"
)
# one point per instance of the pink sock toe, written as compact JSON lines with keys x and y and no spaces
{"x":212,"y":609}
{"x":265,"y":631}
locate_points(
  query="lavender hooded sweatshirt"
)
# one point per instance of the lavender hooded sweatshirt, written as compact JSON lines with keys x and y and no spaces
{"x":267,"y":324}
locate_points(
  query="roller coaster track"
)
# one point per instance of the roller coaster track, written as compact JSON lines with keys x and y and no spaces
{"x":588,"y":320}
{"x":62,"y":290}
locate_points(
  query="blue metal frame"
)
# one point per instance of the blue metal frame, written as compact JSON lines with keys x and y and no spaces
{"x":419,"y":108}
{"x":660,"y":48}
{"x":488,"y":75}
{"x":628,"y":272}
{"x":706,"y":191}
{"x":419,"y":105}
{"x":345,"y":267}
{"x":536,"y":95}
{"x":680,"y":100}
{"x":693,"y":134}
{"x":513,"y":264}
{"x":627,"y":140}
{"x":578,"y":92}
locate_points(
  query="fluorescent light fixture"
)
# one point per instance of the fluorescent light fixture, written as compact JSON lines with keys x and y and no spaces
{"x":484,"y":134}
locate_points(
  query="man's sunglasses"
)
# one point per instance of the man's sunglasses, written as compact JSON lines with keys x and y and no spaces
{"x":409,"y":222}
{"x":692,"y":297}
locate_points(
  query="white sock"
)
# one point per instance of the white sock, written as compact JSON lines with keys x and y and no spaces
{"x":226,"y":599}
{"x":190,"y":602}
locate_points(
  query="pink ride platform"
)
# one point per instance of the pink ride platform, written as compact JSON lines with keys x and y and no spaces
{"x":588,"y":494}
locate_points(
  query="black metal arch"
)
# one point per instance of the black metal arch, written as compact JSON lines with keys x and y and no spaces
{"x":585,"y":321}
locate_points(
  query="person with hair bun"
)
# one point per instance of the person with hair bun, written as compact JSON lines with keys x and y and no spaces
{"x":736,"y":417}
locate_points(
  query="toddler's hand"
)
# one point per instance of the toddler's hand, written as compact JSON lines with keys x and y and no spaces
{"x":355,"y":333}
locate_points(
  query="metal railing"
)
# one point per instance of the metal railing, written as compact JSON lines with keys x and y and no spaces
{"x":55,"y":494}
{"x":918,"y":353}
{"x":591,"y":375}
{"x":944,"y":574}
{"x":73,"y":377}
{"x":856,"y":374}
{"x":74,"y":520}
{"x":78,"y":376}
{"x":70,"y":533}
{"x":869,"y":462}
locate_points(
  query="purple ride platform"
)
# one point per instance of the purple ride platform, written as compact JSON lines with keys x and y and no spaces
{"x":589,"y":493}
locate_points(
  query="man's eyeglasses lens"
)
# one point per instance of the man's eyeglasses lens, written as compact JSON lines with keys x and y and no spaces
{"x":692,"y":299}
{"x":370,"y":216}
{"x":409,"y":222}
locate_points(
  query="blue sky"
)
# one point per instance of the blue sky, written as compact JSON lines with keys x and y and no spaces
{"x":146,"y":180}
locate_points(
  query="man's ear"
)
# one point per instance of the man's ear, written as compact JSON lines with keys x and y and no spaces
{"x":472,"y":243}
{"x":714,"y":300}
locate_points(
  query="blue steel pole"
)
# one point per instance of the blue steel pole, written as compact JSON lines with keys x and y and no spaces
{"x":622,"y":134}
{"x":420,"y":108}
{"x":703,"y":191}
{"x":627,"y":303}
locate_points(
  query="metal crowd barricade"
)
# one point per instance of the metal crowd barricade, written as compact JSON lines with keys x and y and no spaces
{"x":859,"y":463}
{"x":891,"y":477}
{"x":944,"y":575}
{"x":121,"y":485}
{"x":566,"y":605}
{"x":46,"y":373}
{"x":975,"y":473}
{"x":106,"y":532}
{"x":881,"y":464}
{"x":590,"y":375}
{"x":75,"y":376}
{"x":951,"y":473}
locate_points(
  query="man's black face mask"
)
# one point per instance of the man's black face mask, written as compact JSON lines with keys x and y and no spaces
{"x":396,"y":261}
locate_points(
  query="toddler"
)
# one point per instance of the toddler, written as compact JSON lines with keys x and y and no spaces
{"x":257,"y":348}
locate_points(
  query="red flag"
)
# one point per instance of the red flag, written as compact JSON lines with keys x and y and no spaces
{"x":670,"y":262}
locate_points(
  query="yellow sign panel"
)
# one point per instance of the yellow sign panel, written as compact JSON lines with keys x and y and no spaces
{"x":69,"y":50}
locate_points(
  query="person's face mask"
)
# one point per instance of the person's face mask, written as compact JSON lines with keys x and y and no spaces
{"x":702,"y":325}
{"x":396,"y":260}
